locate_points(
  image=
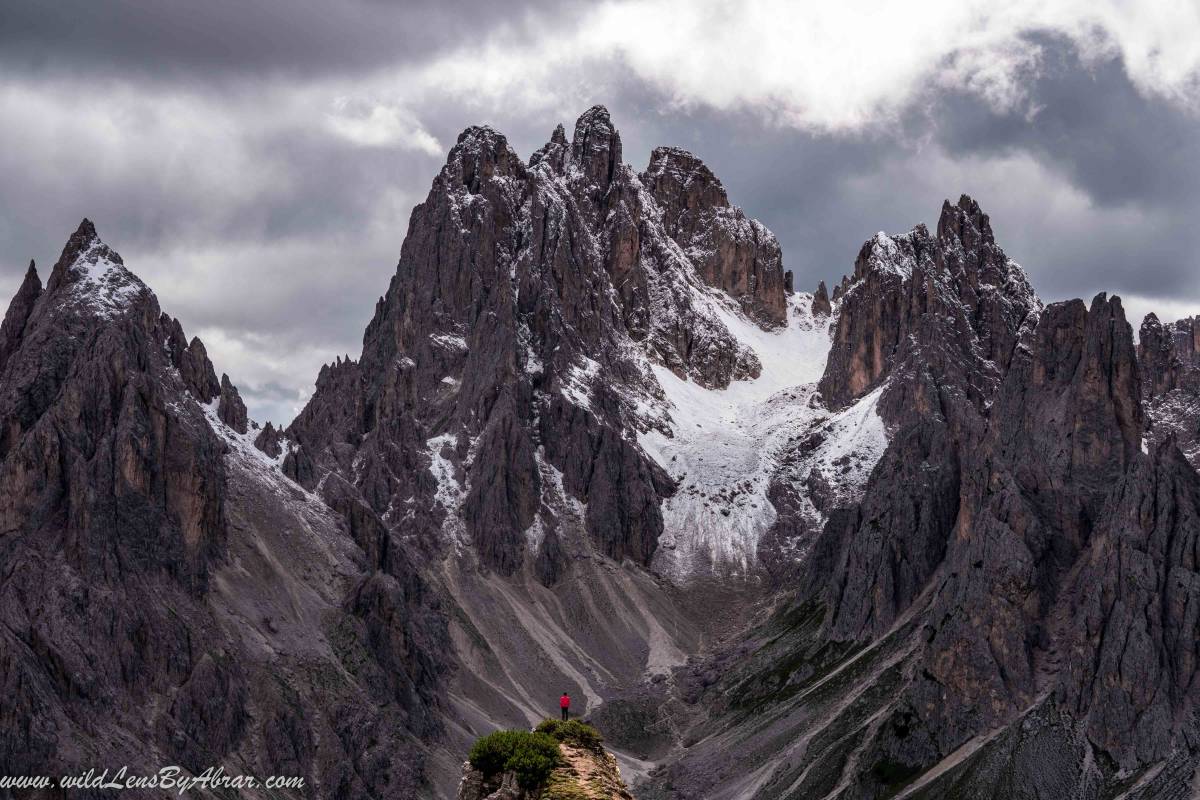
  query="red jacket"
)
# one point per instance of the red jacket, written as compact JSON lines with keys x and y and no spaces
{"x":564,"y":702}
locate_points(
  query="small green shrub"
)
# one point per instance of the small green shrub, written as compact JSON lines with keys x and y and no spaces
{"x":490,"y":753}
{"x":532,"y":756}
{"x":549,"y":727}
{"x":573,"y":732}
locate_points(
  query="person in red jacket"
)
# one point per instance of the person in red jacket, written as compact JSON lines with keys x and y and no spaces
{"x":564,"y":705}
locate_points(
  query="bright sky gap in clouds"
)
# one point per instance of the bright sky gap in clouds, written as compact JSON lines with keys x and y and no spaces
{"x":257,"y":165}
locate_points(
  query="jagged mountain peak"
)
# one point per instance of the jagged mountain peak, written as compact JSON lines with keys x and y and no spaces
{"x":126,"y":485}
{"x":560,"y":135}
{"x":80,"y":240}
{"x":596,"y":146}
{"x":950,"y":303}
{"x":965,"y":221}
{"x":678,"y":173}
{"x":554,"y":152}
{"x":480,"y":154}
{"x":821,"y":304}
{"x":18,"y":313}
{"x":31,"y":284}
{"x":92,"y":278}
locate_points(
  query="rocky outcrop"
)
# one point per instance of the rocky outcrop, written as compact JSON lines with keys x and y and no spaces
{"x":951,"y":306}
{"x":13,"y":326}
{"x":584,"y":774}
{"x":732,"y":252}
{"x":820,"y":304}
{"x":1170,"y":368}
{"x":270,"y":440}
{"x":230,"y":408}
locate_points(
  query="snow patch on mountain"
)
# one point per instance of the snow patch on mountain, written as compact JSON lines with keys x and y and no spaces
{"x":102,"y":284}
{"x":577,"y":383}
{"x":450,"y":493}
{"x":725,"y":446}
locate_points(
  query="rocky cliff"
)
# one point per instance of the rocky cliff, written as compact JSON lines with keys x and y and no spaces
{"x":1170,"y":367}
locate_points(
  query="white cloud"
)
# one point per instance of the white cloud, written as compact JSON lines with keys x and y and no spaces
{"x":826,"y":67}
{"x":378,"y":124}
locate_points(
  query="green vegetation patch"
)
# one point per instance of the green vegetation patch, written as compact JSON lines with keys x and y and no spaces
{"x":573,"y":732}
{"x":532,"y":756}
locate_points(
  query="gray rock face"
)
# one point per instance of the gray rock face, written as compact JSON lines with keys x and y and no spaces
{"x":733,"y":253}
{"x":1170,"y":365}
{"x":144,"y":551}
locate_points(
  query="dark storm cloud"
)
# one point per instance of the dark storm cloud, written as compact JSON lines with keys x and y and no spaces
{"x":1090,"y":123}
{"x":1133,"y":156}
{"x":155,"y":40}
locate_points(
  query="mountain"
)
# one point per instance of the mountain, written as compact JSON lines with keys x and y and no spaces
{"x":1010,"y":604}
{"x":922,"y":536}
{"x":167,"y":596}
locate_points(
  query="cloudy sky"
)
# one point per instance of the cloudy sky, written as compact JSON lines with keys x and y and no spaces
{"x":256,"y":162}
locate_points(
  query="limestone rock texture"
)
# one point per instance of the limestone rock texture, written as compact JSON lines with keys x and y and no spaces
{"x":1170,"y":358}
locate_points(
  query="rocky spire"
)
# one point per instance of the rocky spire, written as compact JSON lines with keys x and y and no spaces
{"x":270,"y":440}
{"x":1160,"y":367}
{"x":553,"y":153}
{"x":596,"y":147}
{"x":682,"y":182}
{"x":731,"y":251}
{"x":1169,"y":358}
{"x":480,"y":154}
{"x":964,"y":222}
{"x":80,"y":240}
{"x":231,"y":409}
{"x":953,"y":300}
{"x":18,"y":313}
{"x":821,"y":305}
